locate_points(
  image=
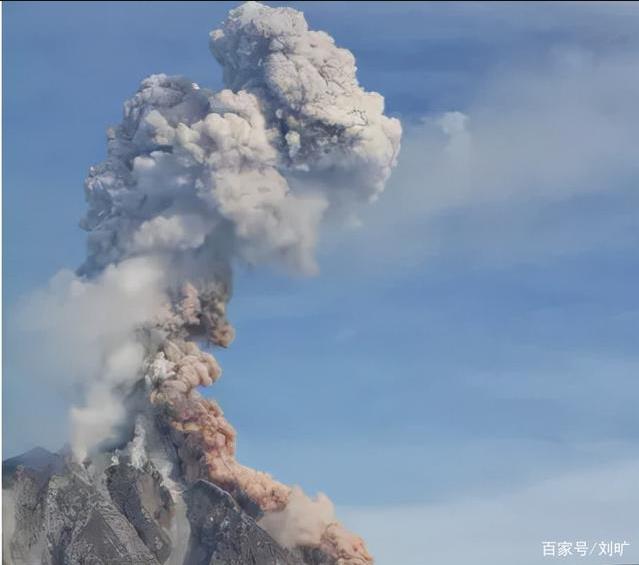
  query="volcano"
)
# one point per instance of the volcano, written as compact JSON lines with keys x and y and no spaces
{"x":116,"y":509}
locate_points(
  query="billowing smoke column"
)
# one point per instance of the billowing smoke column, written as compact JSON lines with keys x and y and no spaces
{"x":195,"y":181}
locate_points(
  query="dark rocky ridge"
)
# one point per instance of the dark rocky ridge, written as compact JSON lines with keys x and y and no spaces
{"x":114,"y":512}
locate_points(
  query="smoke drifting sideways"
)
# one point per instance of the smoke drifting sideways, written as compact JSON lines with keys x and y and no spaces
{"x":194,"y":182}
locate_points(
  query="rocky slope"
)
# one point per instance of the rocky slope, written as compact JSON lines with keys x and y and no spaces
{"x":121,"y":508}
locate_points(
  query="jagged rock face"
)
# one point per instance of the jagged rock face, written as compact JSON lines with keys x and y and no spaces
{"x":222,"y":533}
{"x":121,"y":512}
{"x":59,"y":517}
{"x":82,"y":526}
{"x":143,"y":500}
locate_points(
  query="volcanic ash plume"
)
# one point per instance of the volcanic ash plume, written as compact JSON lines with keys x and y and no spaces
{"x":194,"y":181}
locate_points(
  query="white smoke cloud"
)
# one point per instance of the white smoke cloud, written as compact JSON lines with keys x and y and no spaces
{"x":182,"y":232}
{"x":83,"y":327}
{"x":85,"y":334}
{"x":195,"y":179}
{"x":193,"y":182}
{"x":334,"y":130}
{"x":248,"y":172}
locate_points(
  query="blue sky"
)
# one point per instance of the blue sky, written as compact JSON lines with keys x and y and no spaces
{"x":471,"y":350}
